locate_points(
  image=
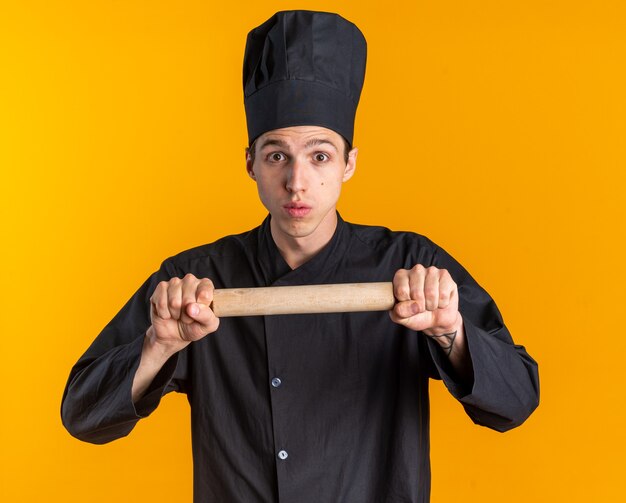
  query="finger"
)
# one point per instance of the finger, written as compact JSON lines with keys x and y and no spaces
{"x":204,"y":291}
{"x":417,"y":277}
{"x":188,"y":296}
{"x":159,"y":301}
{"x":401,"y":289}
{"x":447,"y":287}
{"x":431,"y":288}
{"x":174,"y":298}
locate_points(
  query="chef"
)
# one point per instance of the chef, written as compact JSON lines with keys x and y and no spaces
{"x":307,"y":407}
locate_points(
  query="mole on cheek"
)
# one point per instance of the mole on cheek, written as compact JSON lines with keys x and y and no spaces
{"x":322,"y":183}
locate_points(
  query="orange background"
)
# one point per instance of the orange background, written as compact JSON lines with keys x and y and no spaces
{"x":495,"y":128}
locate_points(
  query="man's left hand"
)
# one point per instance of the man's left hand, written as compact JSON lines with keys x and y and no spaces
{"x":428,"y":300}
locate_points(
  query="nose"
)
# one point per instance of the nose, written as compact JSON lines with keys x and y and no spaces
{"x":296,"y":176}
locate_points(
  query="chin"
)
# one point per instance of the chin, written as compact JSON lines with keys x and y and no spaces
{"x":297,"y":228}
{"x":299,"y":231}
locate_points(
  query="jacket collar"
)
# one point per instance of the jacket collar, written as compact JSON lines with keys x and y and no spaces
{"x":277,"y":272}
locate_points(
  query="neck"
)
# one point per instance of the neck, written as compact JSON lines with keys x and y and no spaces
{"x":299,"y":250}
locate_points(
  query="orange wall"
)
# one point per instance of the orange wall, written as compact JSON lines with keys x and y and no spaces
{"x":495,"y":128}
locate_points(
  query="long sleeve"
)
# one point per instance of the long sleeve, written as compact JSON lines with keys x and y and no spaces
{"x":97,"y":406}
{"x":505,"y":387}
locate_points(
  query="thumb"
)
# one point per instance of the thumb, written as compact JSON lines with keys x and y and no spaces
{"x":204,"y":316}
{"x":407,"y":313}
{"x":406,"y":309}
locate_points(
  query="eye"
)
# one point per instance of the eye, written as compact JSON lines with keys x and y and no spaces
{"x":276,"y":157}
{"x":321,"y":157}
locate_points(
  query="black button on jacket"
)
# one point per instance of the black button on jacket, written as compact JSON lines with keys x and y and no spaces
{"x":349,"y":419}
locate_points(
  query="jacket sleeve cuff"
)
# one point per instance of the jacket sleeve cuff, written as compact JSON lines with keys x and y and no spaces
{"x":505,"y":387}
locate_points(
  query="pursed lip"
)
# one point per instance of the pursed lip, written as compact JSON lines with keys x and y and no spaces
{"x":296,"y":209}
{"x":296,"y":205}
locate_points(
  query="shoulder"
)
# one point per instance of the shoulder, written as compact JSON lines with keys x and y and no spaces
{"x":407,"y":248}
{"x":402,"y":248}
{"x":226,"y":247}
{"x":376,"y":236}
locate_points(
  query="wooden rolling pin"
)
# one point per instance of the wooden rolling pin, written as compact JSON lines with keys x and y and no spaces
{"x":340,"y":298}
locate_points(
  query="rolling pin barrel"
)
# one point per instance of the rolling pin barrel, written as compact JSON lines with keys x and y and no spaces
{"x":338,"y":298}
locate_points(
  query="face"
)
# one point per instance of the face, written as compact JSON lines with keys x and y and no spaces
{"x":299,"y":172}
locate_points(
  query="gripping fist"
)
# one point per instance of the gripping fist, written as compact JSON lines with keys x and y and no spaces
{"x":180,"y":312}
{"x":428,"y":300}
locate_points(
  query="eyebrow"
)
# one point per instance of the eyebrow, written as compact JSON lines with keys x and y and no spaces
{"x":311,"y":143}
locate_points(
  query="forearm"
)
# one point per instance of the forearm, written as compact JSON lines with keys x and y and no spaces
{"x":153,"y":357}
{"x":453,"y":343}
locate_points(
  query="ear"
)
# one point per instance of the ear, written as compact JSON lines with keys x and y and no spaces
{"x":250,"y":165}
{"x":350,"y":165}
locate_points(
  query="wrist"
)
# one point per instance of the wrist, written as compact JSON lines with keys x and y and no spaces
{"x":156,"y":351}
{"x":455,"y":326}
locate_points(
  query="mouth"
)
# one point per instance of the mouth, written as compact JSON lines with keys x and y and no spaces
{"x":296,"y":209}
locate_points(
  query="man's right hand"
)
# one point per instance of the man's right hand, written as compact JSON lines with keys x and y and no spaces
{"x":180,"y":312}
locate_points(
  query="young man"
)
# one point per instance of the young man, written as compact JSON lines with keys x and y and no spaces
{"x":318,"y":407}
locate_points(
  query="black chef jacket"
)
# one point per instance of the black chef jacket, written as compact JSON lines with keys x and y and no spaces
{"x":305,"y":408}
